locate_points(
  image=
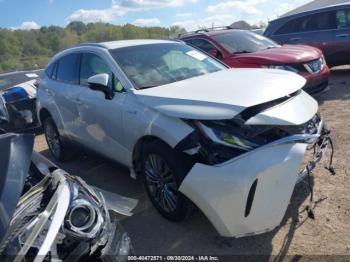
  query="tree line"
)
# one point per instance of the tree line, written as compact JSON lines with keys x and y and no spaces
{"x":21,"y":50}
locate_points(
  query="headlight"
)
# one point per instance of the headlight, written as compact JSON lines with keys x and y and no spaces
{"x":281,"y":67}
{"x":323,"y":61}
{"x":86,"y":216}
{"x":227,"y":138}
{"x":3,"y":110}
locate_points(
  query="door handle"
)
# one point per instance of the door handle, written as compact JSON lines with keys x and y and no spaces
{"x":295,"y":39}
{"x":342,"y":35}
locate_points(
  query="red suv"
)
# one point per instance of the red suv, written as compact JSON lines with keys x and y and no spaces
{"x":238,"y":48}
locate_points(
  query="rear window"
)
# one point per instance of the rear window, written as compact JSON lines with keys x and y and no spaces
{"x":202,"y":44}
{"x":67,"y":68}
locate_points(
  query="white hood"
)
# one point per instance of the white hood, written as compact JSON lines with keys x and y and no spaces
{"x":220,"y":95}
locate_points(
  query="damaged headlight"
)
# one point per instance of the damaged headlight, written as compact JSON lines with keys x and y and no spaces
{"x":214,"y":142}
{"x":227,"y":138}
{"x":87,"y":214}
{"x":217,"y":141}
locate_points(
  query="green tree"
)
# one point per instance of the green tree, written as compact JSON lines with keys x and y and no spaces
{"x":31,"y":49}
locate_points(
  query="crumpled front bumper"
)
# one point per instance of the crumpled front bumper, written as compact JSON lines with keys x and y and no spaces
{"x":250,"y":194}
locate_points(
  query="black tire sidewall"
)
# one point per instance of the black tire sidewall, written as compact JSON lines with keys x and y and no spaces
{"x":177,"y":165}
{"x":47,"y":122}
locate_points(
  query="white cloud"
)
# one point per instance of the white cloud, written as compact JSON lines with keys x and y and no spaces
{"x":207,"y":22}
{"x":247,"y":6}
{"x":218,"y":20}
{"x":97,"y":15}
{"x":27,"y":25}
{"x":187,"y":24}
{"x":147,"y":4}
{"x":118,"y":10}
{"x":147,"y":22}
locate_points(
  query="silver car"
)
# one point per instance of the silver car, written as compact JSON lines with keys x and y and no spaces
{"x":229,"y":141}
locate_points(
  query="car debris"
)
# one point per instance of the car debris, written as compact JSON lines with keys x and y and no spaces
{"x":52,"y":215}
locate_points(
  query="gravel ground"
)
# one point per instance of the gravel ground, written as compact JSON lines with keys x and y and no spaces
{"x":327,"y":234}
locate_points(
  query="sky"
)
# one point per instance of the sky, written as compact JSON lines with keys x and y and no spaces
{"x":190,"y":14}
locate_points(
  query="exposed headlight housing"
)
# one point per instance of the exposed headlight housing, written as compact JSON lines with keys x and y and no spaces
{"x":227,"y":138}
{"x":214,"y":142}
{"x":86,"y":215}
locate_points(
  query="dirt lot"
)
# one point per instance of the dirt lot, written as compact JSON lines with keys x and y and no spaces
{"x":328,"y":234}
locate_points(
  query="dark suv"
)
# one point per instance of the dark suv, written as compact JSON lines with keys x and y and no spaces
{"x":327,"y":28}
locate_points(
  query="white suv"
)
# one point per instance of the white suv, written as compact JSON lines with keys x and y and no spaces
{"x":229,"y":141}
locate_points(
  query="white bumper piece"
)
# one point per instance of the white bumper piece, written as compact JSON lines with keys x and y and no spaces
{"x":222,"y":192}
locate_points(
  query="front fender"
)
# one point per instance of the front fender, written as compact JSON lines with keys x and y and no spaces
{"x":170,"y":130}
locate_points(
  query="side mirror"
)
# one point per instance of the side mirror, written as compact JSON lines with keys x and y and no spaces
{"x":213,"y":53}
{"x":99,"y":82}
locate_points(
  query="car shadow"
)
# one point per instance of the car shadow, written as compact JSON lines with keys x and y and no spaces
{"x":339,"y":87}
{"x":151,"y":234}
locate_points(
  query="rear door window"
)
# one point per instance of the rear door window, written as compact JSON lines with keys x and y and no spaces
{"x":67,"y":69}
{"x":343,"y":18}
{"x":315,"y":22}
{"x":202,"y":44}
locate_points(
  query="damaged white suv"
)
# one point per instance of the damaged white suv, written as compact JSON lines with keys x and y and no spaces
{"x":229,"y":141}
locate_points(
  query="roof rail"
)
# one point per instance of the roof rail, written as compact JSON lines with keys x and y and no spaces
{"x":91,"y":44}
{"x":206,"y":30}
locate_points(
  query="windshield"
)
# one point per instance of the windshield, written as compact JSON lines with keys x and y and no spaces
{"x":244,"y":42}
{"x":160,"y":64}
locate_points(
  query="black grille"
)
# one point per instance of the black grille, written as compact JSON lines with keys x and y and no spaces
{"x":315,"y":66}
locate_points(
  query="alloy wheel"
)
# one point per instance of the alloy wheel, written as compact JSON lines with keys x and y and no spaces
{"x":161,"y":183}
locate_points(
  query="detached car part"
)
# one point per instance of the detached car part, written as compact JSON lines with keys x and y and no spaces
{"x":57,"y":216}
{"x":18,"y":108}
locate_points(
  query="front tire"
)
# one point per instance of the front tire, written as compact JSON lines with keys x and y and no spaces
{"x":163,"y":171}
{"x":58,"y":148}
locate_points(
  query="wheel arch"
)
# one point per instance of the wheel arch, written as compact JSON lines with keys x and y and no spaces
{"x":138,"y":149}
{"x":44,"y":114}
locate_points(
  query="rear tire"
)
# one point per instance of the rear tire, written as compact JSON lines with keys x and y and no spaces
{"x":59,"y":148}
{"x":163,"y":171}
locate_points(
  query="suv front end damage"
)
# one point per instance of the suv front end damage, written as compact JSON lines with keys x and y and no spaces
{"x":246,"y":168}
